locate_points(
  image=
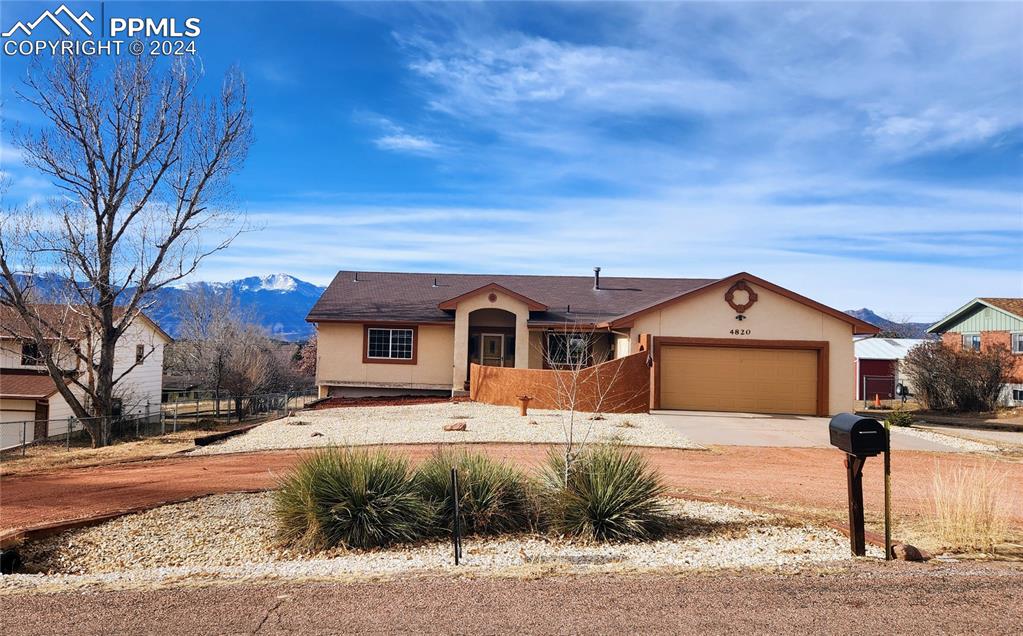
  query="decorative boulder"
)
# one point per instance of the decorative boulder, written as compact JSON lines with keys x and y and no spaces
{"x":455,"y":426}
{"x":906,"y":552}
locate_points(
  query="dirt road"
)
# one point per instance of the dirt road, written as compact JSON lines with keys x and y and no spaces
{"x":779,"y":477}
{"x":864,"y":598}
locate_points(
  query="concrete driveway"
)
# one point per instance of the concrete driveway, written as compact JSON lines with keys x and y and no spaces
{"x":784,"y":431}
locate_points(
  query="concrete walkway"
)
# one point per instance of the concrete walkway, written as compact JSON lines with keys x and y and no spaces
{"x":779,"y":431}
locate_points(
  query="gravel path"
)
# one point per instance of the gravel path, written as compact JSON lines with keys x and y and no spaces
{"x":859,"y":598}
{"x":230,"y":538}
{"x":424,"y":423}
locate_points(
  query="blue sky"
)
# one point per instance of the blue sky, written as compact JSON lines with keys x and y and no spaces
{"x":864,"y":155}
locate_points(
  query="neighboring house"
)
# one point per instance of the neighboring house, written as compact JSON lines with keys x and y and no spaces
{"x":878,"y":366}
{"x":984,"y":323}
{"x":27,"y":393}
{"x":735,"y":344}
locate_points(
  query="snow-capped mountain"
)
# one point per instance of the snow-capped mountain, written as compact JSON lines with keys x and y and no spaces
{"x":279,"y":302}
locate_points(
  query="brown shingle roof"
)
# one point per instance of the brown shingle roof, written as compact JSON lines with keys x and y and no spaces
{"x":27,"y":385}
{"x":414,"y":297}
{"x":64,"y":321}
{"x":1012,"y":305}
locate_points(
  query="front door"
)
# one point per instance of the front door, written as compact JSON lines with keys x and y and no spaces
{"x":492,"y":349}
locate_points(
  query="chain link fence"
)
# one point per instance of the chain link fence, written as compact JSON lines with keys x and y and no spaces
{"x":200,"y":411}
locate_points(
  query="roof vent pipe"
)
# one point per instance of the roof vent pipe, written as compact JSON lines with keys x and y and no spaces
{"x":356,"y":279}
{"x":596,"y":278}
{"x":435,"y":282}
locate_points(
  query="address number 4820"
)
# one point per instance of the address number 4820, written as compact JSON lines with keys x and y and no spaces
{"x":739,"y":332}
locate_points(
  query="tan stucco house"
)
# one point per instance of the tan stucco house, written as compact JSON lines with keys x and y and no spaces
{"x":738,"y":343}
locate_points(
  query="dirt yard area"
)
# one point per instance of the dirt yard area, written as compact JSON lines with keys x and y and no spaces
{"x":40,"y":458}
{"x":862,"y":598}
{"x":807,"y":482}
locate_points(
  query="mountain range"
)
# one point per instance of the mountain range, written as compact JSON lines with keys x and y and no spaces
{"x":280,"y":303}
{"x":893,"y":328}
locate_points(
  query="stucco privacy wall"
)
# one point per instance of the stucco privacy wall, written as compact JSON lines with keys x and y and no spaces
{"x":624,"y":384}
{"x":339,"y":359}
{"x":772,"y":317}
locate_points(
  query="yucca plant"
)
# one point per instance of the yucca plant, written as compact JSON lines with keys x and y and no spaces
{"x":494,"y":497}
{"x":608,"y":493}
{"x":355,"y":498}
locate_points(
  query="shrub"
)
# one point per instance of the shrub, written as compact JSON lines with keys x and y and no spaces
{"x":610,"y":494}
{"x":493,"y":497}
{"x":970,"y":508}
{"x":899,"y":417}
{"x":354,"y":498}
{"x":956,"y":379}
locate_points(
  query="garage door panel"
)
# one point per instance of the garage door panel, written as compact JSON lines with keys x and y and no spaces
{"x":739,"y":379}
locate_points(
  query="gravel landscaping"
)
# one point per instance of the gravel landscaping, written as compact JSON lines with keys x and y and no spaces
{"x":231,"y":538}
{"x":966,"y":445}
{"x":424,"y":423}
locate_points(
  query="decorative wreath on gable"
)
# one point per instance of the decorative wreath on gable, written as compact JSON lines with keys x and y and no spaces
{"x":750,"y":295}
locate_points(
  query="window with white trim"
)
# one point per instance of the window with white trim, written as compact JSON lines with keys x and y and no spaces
{"x":971,"y":341}
{"x":1017,"y":342}
{"x":389,"y":344}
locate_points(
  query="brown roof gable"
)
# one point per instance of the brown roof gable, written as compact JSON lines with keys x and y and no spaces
{"x":859,"y":326}
{"x":425,"y":298}
{"x":1012,"y":305}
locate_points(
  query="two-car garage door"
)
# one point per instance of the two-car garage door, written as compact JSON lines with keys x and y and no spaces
{"x":742,"y":379}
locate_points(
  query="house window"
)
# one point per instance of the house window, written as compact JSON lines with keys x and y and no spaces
{"x":389,"y":344}
{"x":140,"y":353}
{"x":1017,"y":342}
{"x":568,"y":349}
{"x":30,"y":355}
{"x":971,"y":341}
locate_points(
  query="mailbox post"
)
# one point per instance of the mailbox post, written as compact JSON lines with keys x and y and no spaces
{"x":860,"y":438}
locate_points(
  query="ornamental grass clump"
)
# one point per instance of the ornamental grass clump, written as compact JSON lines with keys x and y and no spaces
{"x":354,"y":498}
{"x":608,"y":493}
{"x":494,"y":497}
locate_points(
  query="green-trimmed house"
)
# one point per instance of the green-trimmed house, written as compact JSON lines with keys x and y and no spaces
{"x":983,"y":323}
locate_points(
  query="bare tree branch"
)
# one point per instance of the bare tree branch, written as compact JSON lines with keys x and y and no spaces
{"x":143,"y":166}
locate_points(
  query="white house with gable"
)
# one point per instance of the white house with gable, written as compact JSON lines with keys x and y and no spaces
{"x":31,"y":407}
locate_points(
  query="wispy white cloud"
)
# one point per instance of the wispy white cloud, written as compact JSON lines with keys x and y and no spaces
{"x":404,"y":142}
{"x":898,"y":257}
{"x":395,"y":138}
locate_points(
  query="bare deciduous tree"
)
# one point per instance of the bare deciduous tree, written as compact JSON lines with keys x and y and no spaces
{"x":142,"y":164}
{"x":306,"y":362}
{"x":221,"y":348}
{"x":585,"y":380}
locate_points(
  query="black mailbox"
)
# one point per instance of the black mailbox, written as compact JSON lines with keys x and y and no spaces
{"x":859,"y":436}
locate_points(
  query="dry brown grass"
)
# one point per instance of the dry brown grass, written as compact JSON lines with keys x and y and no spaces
{"x":47,"y":457}
{"x":970,"y":507}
